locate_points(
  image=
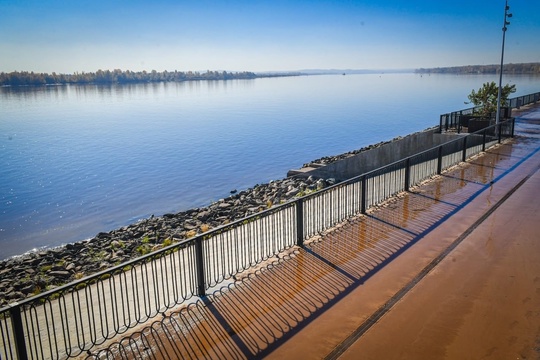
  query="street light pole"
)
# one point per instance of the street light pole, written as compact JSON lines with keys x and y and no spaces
{"x":505,"y":24}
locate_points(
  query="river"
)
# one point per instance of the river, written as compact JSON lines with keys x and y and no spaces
{"x":78,"y":160}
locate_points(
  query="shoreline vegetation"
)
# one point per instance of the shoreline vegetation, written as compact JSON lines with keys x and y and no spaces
{"x":521,"y":68}
{"x":117,"y":76}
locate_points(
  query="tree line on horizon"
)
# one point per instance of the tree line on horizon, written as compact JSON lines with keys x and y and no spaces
{"x":117,"y":76}
{"x":521,"y":68}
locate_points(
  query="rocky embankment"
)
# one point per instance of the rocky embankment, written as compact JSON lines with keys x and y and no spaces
{"x":30,"y":274}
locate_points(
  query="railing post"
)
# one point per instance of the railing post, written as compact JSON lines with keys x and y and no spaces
{"x":464,"y":155}
{"x":199,"y":259}
{"x":407,"y":173}
{"x":484,"y":140}
{"x":513,"y":127}
{"x":300,"y":223}
{"x":18,"y":331}
{"x":364,"y":192}
{"x":439,"y":160}
{"x":499,"y":128}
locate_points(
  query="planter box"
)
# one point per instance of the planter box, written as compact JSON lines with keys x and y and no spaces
{"x":479,"y":124}
{"x":464,"y":119}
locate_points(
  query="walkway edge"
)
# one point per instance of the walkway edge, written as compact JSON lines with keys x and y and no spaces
{"x":374,"y":318}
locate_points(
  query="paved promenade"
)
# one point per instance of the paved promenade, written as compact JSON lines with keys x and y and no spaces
{"x":450,"y":270}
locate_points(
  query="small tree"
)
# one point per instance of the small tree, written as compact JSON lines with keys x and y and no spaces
{"x":486,"y":97}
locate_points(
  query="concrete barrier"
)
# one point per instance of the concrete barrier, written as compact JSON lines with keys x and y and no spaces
{"x":377,"y":157}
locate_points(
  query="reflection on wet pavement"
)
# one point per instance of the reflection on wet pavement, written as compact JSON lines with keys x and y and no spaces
{"x":255,"y":314}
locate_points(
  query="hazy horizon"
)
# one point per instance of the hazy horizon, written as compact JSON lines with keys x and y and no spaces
{"x":261,"y":36}
{"x":328,"y":71}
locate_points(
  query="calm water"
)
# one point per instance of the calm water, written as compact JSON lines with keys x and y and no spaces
{"x":77,"y":160}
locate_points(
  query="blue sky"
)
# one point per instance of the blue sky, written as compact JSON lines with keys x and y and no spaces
{"x":78,"y":35}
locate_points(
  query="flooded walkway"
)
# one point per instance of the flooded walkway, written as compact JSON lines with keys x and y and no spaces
{"x":448,"y":270}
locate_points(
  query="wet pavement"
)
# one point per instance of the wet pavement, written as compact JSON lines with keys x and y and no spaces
{"x":447,"y":270}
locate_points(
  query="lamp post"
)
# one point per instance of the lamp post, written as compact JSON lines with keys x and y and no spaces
{"x":505,"y":24}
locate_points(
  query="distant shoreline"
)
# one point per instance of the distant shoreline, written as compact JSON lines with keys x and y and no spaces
{"x":121,"y":77}
{"x":107,"y":77}
{"x":518,"y":69}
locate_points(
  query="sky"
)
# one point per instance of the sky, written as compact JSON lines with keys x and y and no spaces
{"x":67,"y":36}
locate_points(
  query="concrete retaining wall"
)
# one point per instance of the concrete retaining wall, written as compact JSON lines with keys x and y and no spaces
{"x":375,"y":158}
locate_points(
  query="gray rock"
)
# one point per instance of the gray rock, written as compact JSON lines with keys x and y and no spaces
{"x":14,"y":296}
{"x":292,"y":192}
{"x":29,"y":288}
{"x":60,"y":274}
{"x":203,"y":215}
{"x":103,"y":235}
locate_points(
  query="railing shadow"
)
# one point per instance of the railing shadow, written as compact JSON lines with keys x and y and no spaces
{"x":253,"y":316}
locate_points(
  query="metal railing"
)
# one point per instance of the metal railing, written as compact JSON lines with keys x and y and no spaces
{"x":72,"y":319}
{"x":517,"y":102}
{"x":451,"y":121}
